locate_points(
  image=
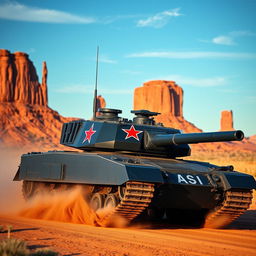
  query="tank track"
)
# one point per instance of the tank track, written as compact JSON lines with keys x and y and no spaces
{"x":136,"y":199}
{"x":235,"y":204}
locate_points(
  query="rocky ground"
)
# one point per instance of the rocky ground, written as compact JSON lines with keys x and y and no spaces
{"x":77,"y":239}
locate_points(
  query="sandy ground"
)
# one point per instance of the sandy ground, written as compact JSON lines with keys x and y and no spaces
{"x":239,"y":238}
{"x":77,"y":239}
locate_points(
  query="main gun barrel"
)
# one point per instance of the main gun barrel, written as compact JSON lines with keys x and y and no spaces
{"x":153,"y":140}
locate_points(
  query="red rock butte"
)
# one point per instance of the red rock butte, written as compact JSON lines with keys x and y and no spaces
{"x":19,"y":80}
{"x":101,"y":103}
{"x":226,"y":121}
{"x":165,"y":97}
{"x":160,"y":96}
{"x":25,"y":118}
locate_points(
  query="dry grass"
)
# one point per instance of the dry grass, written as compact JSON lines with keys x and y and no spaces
{"x":242,"y":161}
{"x":16,"y":247}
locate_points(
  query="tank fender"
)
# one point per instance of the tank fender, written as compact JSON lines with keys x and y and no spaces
{"x":236,"y":180}
{"x":84,"y":168}
{"x":17,"y":175}
{"x":144,"y":173}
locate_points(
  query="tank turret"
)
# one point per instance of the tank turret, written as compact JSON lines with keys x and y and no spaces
{"x":110,"y":132}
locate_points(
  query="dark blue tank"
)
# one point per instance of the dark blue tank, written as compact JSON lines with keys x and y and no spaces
{"x":131,"y":165}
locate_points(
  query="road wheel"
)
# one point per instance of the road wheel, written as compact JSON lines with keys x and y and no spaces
{"x":111,"y":201}
{"x":97,"y":201}
{"x":121,"y":191}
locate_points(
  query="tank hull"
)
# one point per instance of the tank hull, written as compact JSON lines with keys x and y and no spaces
{"x":84,"y":168}
{"x":179,"y":182}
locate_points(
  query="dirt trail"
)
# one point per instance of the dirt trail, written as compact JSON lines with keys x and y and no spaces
{"x":76,"y":239}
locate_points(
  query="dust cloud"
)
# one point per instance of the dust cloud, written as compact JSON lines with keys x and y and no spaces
{"x":10,"y":191}
{"x":64,"y":206}
{"x":219,"y":223}
{"x":69,"y":206}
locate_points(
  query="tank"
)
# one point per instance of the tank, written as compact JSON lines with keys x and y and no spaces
{"x":135,"y":167}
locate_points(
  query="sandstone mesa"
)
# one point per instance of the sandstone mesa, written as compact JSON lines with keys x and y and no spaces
{"x":226,"y":121}
{"x":19,"y":80}
{"x":25,"y":117}
{"x":166,"y":97}
{"x":101,"y":103}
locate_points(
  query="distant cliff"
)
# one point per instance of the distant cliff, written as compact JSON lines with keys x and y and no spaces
{"x":160,"y":95}
{"x":19,"y":80}
{"x":101,"y":103}
{"x":226,"y":121}
{"x":165,"y":97}
{"x":25,"y":118}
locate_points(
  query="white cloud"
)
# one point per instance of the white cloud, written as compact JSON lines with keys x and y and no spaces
{"x":229,"y":90}
{"x":198,"y":82}
{"x":78,"y":88}
{"x":229,"y":39}
{"x":16,"y":11}
{"x":111,"y":19}
{"x":89,"y":89}
{"x":193,"y":55}
{"x":105,"y":59}
{"x":225,"y":40}
{"x":242,"y":33}
{"x":160,"y":19}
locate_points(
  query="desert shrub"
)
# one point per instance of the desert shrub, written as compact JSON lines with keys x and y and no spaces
{"x":16,"y":247}
{"x":13,"y":247}
{"x":44,"y":252}
{"x":9,"y":229}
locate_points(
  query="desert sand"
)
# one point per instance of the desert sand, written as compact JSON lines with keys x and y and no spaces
{"x":79,"y":239}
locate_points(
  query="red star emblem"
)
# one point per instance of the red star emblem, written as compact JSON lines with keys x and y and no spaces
{"x":88,"y":134}
{"x":132,"y":133}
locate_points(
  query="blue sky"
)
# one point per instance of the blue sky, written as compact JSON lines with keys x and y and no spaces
{"x":207,"y":47}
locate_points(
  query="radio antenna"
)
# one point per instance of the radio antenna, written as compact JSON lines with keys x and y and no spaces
{"x":96,"y":85}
